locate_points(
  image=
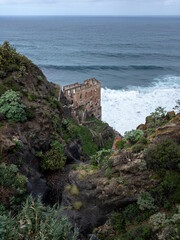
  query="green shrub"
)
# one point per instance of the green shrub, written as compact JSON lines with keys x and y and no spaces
{"x":171,"y":186}
{"x":120,"y":144}
{"x":54,"y":158}
{"x":56,"y":123}
{"x":143,"y":216}
{"x":39,"y":78}
{"x":117,"y":222}
{"x":31,"y":97}
{"x":53,"y":102}
{"x":158,"y":220}
{"x":138,"y":148}
{"x":164,"y":155}
{"x":143,"y":140}
{"x":156,"y":118}
{"x":146,"y":201}
{"x":108,"y":172}
{"x":3,"y":88}
{"x":2,"y":74}
{"x":18,"y":144}
{"x":133,"y":136}
{"x":70,"y":130}
{"x":8,"y":228}
{"x":168,"y":190}
{"x":120,"y":220}
{"x":36,"y":221}
{"x":167,"y":227}
{"x":11,"y":106}
{"x":98,"y":158}
{"x":10,"y":60}
{"x":139,"y":233}
{"x":158,"y":113}
{"x":30,"y":114}
{"x":130,"y":212}
{"x":12,"y":67}
{"x":9,"y":178}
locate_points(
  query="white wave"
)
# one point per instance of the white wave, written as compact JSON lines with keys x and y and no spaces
{"x":126,"y":109}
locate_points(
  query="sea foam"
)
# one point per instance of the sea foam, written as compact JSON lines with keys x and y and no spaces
{"x":126,"y":109}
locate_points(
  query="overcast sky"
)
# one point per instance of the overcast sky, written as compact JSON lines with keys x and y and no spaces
{"x":89,"y":7}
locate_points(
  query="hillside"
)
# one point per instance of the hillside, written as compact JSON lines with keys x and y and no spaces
{"x":131,"y":193}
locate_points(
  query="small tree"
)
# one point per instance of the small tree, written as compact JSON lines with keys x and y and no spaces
{"x":158,"y":113}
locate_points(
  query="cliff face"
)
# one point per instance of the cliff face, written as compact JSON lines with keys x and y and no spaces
{"x":42,"y":121}
{"x":99,"y":193}
{"x":130,"y":193}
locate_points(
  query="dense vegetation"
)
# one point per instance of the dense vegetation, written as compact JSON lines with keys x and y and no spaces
{"x":54,"y":158}
{"x":156,"y":214}
{"x":89,"y":135}
{"x":32,"y":124}
{"x":10,"y":62}
{"x":35,"y":221}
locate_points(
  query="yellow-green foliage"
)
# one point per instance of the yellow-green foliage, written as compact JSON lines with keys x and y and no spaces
{"x":82,"y":175}
{"x":68,"y":187}
{"x":77,"y":205}
{"x":74,"y":190}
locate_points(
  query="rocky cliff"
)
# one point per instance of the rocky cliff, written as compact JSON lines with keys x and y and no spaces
{"x":131,"y":193}
{"x":41,"y":119}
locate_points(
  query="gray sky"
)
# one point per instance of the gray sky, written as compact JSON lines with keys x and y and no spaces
{"x":89,"y":7}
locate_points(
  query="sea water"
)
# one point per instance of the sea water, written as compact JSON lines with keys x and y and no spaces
{"x":137,"y":59}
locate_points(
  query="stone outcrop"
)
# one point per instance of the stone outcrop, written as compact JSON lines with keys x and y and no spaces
{"x":85,"y":99}
{"x":100,"y":195}
{"x":170,"y":130}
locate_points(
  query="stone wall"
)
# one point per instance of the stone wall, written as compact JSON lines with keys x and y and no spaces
{"x":85,"y":98}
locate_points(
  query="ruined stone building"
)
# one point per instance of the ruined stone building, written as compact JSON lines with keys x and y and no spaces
{"x":85,"y":98}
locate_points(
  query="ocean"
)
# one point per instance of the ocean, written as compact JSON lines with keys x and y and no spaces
{"x":137,"y":59}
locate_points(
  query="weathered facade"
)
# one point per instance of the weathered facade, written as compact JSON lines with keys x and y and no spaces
{"x":85,"y":98}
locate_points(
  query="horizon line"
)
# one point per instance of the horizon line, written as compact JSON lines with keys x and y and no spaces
{"x":45,"y":15}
